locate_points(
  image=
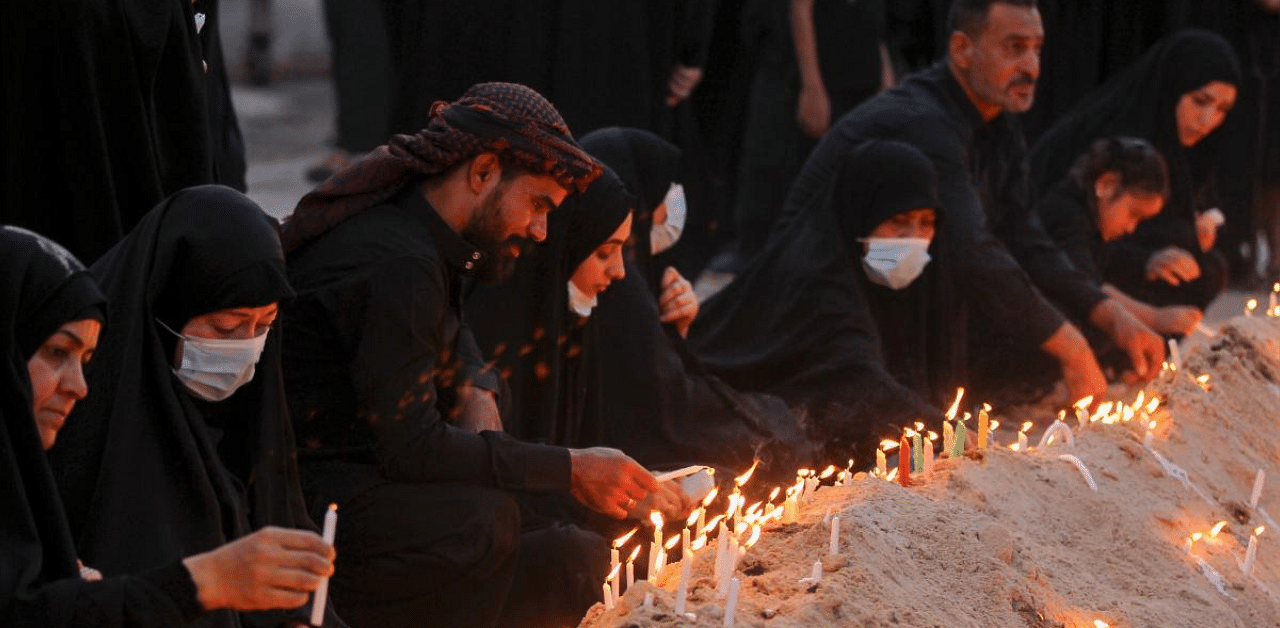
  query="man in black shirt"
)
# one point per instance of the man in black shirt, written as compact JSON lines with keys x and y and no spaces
{"x":959,"y":113}
{"x":396,"y":413}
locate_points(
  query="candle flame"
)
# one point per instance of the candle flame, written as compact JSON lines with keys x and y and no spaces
{"x":919,"y":426}
{"x":1137,"y":403}
{"x":613,"y":573}
{"x":1152,"y":405}
{"x":967,"y":416}
{"x":1217,"y":528}
{"x":1275,"y":287}
{"x":909,"y":432}
{"x":827,"y":472}
{"x":1197,"y":536}
{"x":1026,"y":426}
{"x":1251,"y":305}
{"x":774,"y":493}
{"x":1014,"y":447}
{"x":893,"y":474}
{"x":888,"y":445}
{"x":1151,"y":425}
{"x":706,"y":501}
{"x":333,"y":507}
{"x":698,"y":543}
{"x":955,"y":405}
{"x":622,"y":540}
{"x":634,"y":553}
{"x":711,"y":525}
{"x":656,"y":518}
{"x":804,"y":473}
{"x":671,"y":542}
{"x":995,"y":425}
{"x":693,"y":517}
{"x":1098,"y":623}
{"x":1259,"y":530}
{"x":933,"y":435}
{"x":742,"y":479}
{"x":754,"y":538}
{"x":1084,"y":403}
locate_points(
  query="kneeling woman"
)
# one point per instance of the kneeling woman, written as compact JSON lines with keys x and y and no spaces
{"x":51,"y":316}
{"x":188,"y":445}
{"x":834,"y":317}
{"x":1111,"y":189}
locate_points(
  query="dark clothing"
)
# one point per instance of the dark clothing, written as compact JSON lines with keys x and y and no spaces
{"x":227,"y":142}
{"x":1071,"y":219}
{"x":981,"y":182}
{"x":117,"y":104}
{"x":44,"y":287}
{"x":377,"y":346}
{"x":149,"y":473}
{"x":797,"y":321}
{"x":362,"y":73}
{"x":848,"y":37}
{"x":1140,"y":102}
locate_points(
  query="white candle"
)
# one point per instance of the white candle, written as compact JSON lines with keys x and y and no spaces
{"x":614,"y":571}
{"x":882,"y":466}
{"x":1175,"y":359}
{"x":1022,"y":442}
{"x":1258,"y":479}
{"x":789,"y":509}
{"x":1250,"y":554}
{"x":608,"y":596}
{"x":648,"y":600}
{"x":815,"y":577}
{"x":948,"y":439}
{"x":322,"y":592}
{"x":631,"y":575}
{"x":731,"y":605}
{"x":722,"y":549}
{"x":835,"y":536}
{"x":682,"y":590}
{"x":928,"y":457}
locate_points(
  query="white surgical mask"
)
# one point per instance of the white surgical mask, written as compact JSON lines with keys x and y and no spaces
{"x":895,"y":262}
{"x":579,"y":302}
{"x":214,"y":368}
{"x":665,"y":235}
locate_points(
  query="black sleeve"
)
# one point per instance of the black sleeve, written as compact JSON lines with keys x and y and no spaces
{"x":1049,"y":267}
{"x":395,"y":370}
{"x":695,"y":20}
{"x":161,"y":598}
{"x":1071,"y":231}
{"x":984,"y":268}
{"x":473,"y":366}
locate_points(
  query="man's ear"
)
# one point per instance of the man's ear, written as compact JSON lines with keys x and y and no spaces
{"x":1106,"y":185}
{"x":484,"y":172}
{"x":960,"y":48}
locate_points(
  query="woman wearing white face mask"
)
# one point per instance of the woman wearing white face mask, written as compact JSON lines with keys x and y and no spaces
{"x":844,"y":315}
{"x":188,"y":444}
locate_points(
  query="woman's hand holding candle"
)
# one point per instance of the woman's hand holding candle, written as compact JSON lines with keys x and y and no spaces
{"x":271,"y":568}
{"x":608,"y":481}
{"x":669,"y":500}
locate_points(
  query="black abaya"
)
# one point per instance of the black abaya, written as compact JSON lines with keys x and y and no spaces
{"x":149,"y":474}
{"x":103,"y":115}
{"x":798,"y":321}
{"x":44,"y":287}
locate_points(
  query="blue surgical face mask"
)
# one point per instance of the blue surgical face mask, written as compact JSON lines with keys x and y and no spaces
{"x":895,"y":262}
{"x":664,"y":236}
{"x":214,"y":368}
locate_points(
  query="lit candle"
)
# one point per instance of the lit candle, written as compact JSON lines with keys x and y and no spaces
{"x":608,"y":596}
{"x":958,"y":446}
{"x":1258,"y":479}
{"x":731,"y":605}
{"x":685,"y":545}
{"x":834,"y":543}
{"x":1275,"y":289}
{"x":682,"y":590}
{"x":1175,"y":358}
{"x":722,"y":550}
{"x":322,"y":592}
{"x":904,"y":461}
{"x":882,"y":466}
{"x":984,"y":426}
{"x":631,"y":568}
{"x":1251,"y":553}
{"x":917,"y":452}
{"x":948,"y":438}
{"x":614,"y":570}
{"x":1250,"y":307}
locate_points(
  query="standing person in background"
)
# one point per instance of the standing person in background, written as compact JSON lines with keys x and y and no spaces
{"x":113,"y":117}
{"x":362,"y":78}
{"x":818,"y":61}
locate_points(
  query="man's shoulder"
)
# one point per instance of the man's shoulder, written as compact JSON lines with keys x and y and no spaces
{"x":913,"y":110}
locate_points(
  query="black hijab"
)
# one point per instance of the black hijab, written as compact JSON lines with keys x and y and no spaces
{"x":44,"y":287}
{"x":663,"y":407}
{"x":150,"y":475}
{"x":798,"y":323}
{"x":1140,"y":102}
{"x":648,"y":165}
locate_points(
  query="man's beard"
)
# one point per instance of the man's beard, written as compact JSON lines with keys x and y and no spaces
{"x":485,"y":232}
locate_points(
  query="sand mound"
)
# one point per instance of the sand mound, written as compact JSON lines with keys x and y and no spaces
{"x":1002,"y":538}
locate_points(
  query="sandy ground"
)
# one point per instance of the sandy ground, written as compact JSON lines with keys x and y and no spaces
{"x":1002,"y":538}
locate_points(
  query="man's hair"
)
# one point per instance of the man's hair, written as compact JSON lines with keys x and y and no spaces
{"x":1139,"y":165}
{"x":970,"y":16}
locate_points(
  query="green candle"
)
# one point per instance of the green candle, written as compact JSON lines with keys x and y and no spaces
{"x":957,"y":448}
{"x":917,"y":453}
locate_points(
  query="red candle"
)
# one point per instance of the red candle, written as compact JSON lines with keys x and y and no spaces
{"x":904,"y":461}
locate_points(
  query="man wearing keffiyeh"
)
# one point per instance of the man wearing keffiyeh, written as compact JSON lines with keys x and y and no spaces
{"x":395,"y":411}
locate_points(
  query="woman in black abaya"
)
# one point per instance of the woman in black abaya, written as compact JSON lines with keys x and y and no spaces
{"x":189,"y":445}
{"x":805,"y":322}
{"x":1175,"y":97}
{"x":663,"y":407}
